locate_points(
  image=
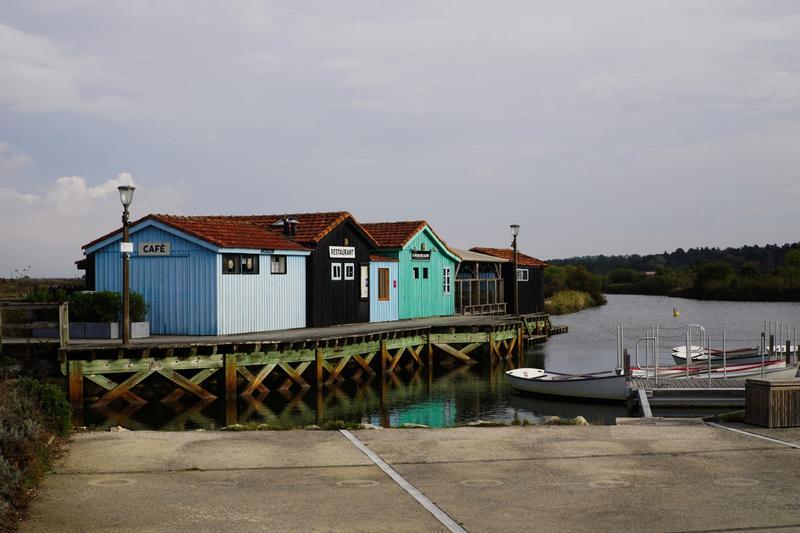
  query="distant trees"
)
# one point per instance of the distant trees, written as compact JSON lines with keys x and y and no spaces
{"x":769,"y":273}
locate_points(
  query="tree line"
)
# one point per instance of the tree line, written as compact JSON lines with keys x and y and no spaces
{"x":766,"y":273}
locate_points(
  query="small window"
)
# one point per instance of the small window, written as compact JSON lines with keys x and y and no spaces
{"x":416,"y":272}
{"x":277,"y":264}
{"x":231,"y":263}
{"x":383,"y":284}
{"x":446,"y":281}
{"x":249,"y":264}
{"x":425,"y":273}
{"x":349,"y":271}
{"x":336,"y":271}
{"x":364,"y":281}
{"x":522,"y":274}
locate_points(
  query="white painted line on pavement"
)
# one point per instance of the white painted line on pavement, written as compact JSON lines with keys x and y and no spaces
{"x":415,"y":493}
{"x":756,"y":435}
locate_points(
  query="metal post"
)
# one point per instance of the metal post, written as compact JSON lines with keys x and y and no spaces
{"x":126,"y":289}
{"x":771,"y":345}
{"x":655,"y":374}
{"x":516,"y":278}
{"x":688,"y":349}
{"x":763,"y":345}
{"x":724,"y":357}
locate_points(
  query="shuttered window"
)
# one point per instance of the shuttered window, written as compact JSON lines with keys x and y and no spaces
{"x":446,"y":280}
{"x":364,"y":282}
{"x":383,"y":284}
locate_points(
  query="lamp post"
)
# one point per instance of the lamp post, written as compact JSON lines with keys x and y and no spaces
{"x":514,"y":233}
{"x":126,"y":197}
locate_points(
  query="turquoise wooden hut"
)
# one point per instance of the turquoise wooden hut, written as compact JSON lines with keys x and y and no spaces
{"x":426,"y":267}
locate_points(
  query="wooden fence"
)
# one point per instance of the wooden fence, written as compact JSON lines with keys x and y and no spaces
{"x":24,"y":331}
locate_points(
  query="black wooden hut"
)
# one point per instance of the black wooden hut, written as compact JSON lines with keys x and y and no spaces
{"x":530,"y":276}
{"x":337,"y":272}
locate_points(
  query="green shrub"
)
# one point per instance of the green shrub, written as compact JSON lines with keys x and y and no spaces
{"x":104,"y":306}
{"x":565,"y":302}
{"x":52,"y":402}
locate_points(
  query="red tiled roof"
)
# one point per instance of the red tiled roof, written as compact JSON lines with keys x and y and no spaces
{"x":508,"y":253}
{"x":222,"y":231}
{"x":382,"y":259}
{"x":394,"y":234}
{"x":311,"y":227}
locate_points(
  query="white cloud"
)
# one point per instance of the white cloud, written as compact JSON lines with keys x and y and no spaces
{"x":12,"y":161}
{"x":38,"y":76}
{"x":46,"y":228}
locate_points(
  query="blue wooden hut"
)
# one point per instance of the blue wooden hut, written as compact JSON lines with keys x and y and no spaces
{"x":206,"y":275}
{"x":383,"y":300}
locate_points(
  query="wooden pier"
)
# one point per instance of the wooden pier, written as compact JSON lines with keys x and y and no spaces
{"x":687,"y":392}
{"x":255,"y":365}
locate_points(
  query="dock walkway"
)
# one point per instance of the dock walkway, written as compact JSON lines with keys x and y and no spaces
{"x":254,"y":364}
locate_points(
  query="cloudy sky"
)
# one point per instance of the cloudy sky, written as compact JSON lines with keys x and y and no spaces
{"x":600,"y":127}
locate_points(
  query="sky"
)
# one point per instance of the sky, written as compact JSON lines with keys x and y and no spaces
{"x":600,"y":127}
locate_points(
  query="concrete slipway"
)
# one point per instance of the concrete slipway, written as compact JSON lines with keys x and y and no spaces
{"x":659,"y":476}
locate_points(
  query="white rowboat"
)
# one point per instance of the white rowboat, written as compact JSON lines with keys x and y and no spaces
{"x":596,"y":386}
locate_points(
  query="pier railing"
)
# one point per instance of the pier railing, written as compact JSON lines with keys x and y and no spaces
{"x":480,"y":296}
{"x":18,"y":323}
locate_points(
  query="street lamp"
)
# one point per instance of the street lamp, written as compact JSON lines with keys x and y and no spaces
{"x":126,"y":197}
{"x":514,"y":233}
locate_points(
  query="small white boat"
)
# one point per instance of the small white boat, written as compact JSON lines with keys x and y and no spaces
{"x":609,"y":385}
{"x":735,"y":356}
{"x":771,"y":367}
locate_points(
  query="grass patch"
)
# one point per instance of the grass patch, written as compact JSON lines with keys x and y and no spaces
{"x":569,"y":301}
{"x":31,"y":416}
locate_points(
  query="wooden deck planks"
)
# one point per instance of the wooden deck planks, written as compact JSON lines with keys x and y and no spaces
{"x":687,"y":384}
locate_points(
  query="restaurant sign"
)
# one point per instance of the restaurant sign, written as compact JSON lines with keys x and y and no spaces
{"x":154,"y":248}
{"x":342,"y":252}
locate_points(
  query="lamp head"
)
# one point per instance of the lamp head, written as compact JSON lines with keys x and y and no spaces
{"x":514,"y":229}
{"x":126,"y":194}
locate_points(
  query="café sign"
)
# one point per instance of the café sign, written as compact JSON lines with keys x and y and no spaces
{"x":342,"y":252}
{"x":154,"y":248}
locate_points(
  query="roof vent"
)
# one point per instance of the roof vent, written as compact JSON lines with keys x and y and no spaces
{"x":289,"y":225}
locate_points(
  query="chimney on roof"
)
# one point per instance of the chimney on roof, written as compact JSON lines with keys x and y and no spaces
{"x":290,"y":226}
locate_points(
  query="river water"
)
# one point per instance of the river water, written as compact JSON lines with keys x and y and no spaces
{"x":461,"y":394}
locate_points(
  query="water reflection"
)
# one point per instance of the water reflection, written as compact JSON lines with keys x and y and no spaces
{"x":453,"y":393}
{"x":447,"y":395}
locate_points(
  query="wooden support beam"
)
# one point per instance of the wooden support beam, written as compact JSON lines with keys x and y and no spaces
{"x":415,"y":351}
{"x":197,"y":379}
{"x":319,"y":367}
{"x":76,"y":385}
{"x":230,"y":375}
{"x":520,"y":347}
{"x":107,"y":384}
{"x":396,"y":358}
{"x":384,"y":356}
{"x":122,"y":388}
{"x":461,"y":355}
{"x":250,"y":378}
{"x":295,"y":375}
{"x":187,"y":384}
{"x":337,"y":370}
{"x":364,"y":362}
{"x":255,"y":382}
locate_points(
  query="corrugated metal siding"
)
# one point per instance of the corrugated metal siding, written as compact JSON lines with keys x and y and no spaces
{"x":386,"y":310}
{"x":332,"y":302}
{"x":264,"y":301}
{"x":425,"y":297}
{"x":180,"y":289}
{"x":531,"y":292}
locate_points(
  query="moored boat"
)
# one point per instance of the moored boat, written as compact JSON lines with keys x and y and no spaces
{"x":609,"y":385}
{"x":735,"y":356}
